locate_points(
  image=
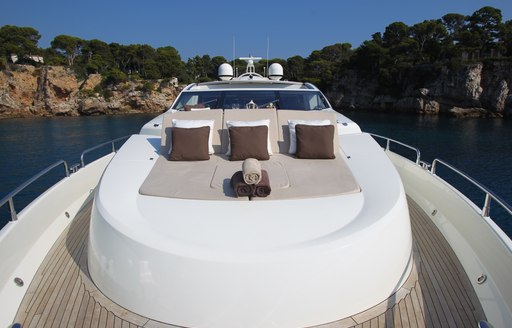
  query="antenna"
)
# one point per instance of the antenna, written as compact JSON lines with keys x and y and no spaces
{"x":250,"y":63}
{"x":234,"y":55}
{"x":268,"y":49}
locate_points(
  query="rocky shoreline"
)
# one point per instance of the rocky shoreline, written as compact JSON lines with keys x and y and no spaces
{"x":473,"y":90}
{"x":29,"y":91}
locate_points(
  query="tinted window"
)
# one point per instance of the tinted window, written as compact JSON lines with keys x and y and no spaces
{"x":301,"y":100}
{"x":208,"y":99}
{"x":240,"y":99}
{"x":298,"y":100}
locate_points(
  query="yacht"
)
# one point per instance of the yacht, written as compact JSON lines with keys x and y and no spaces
{"x":341,"y":228}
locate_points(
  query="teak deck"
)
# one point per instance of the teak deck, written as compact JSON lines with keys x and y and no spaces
{"x":438,"y":292}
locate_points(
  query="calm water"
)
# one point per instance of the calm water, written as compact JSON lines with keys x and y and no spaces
{"x":482,"y":148}
{"x":29,"y":145}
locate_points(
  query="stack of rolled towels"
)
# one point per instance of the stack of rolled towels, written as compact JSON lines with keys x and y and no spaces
{"x":252,"y":181}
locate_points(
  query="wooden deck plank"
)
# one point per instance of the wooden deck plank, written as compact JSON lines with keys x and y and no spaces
{"x":433,"y":309}
{"x":433,"y":272}
{"x":57,"y":296}
{"x":66,"y":307}
{"x":397,"y":322}
{"x":374,"y":323}
{"x":110,"y":320}
{"x":102,"y":322}
{"x":72,"y":322}
{"x":418,"y":309}
{"x":390,"y":320}
{"x":117,"y":322}
{"x":404,"y":317}
{"x":411,"y":313}
{"x":82,"y":309}
{"x":381,"y":320}
{"x":437,"y":294}
{"x":34,"y":321}
{"x":444,"y":271}
{"x":48,"y":279}
{"x":96,"y":315}
{"x":89,"y":312}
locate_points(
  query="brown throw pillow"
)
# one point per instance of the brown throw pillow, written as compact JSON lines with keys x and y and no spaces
{"x":248,"y":142}
{"x":315,"y":142}
{"x":190,"y":144}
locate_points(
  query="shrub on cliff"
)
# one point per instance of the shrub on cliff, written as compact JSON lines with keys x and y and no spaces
{"x":146,"y":87}
{"x":114,"y":76}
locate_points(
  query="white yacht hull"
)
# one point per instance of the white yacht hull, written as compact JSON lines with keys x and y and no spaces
{"x":481,"y":246}
{"x":24,"y":243}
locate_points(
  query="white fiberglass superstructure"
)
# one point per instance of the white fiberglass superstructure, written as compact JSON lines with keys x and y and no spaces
{"x":283,"y":261}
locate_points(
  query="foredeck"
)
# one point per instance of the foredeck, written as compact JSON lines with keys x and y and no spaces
{"x":438,"y":292}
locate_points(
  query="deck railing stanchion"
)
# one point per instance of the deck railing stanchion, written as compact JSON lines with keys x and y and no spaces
{"x":14,"y":215}
{"x":487,"y":205}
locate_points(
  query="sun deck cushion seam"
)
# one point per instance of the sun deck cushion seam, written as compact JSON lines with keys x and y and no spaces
{"x":290,"y":178}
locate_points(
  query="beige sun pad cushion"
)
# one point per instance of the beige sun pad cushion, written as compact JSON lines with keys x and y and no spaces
{"x":290,"y":178}
{"x":251,"y":115}
{"x":212,"y":114}
{"x":186,"y":180}
{"x":311,"y":178}
{"x":283,"y":115}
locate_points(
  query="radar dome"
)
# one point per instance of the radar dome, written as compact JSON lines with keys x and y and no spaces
{"x":225,"y":72}
{"x":275,"y":71}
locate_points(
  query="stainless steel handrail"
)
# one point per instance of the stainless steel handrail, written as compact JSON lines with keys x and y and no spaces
{"x":112,"y":142}
{"x":10,"y":196}
{"x":488,"y":194}
{"x":388,"y":142}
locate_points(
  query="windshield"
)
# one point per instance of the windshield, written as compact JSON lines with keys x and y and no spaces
{"x":298,"y":100}
{"x":206,"y":99}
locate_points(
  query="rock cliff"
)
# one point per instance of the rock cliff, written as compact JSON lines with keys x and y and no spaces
{"x":473,"y":90}
{"x":53,"y":90}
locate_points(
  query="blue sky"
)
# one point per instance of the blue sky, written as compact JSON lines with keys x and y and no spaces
{"x":207,"y":27}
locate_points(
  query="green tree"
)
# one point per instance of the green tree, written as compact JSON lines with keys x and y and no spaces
{"x":143,"y":54}
{"x":114,"y":76}
{"x":67,"y":45}
{"x":197,"y":68}
{"x":370,"y":56}
{"x":97,"y":55}
{"x":53,"y":58}
{"x":394,"y":34}
{"x":21,"y":41}
{"x":454,"y":25}
{"x":430,"y":36}
{"x":485,"y":26}
{"x":170,"y":64}
{"x":506,"y":38}
{"x":295,"y":69}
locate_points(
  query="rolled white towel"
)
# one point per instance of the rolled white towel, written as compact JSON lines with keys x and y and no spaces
{"x":251,"y":169}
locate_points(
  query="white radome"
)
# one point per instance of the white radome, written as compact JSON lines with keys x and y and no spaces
{"x":275,"y":71}
{"x":225,"y":72}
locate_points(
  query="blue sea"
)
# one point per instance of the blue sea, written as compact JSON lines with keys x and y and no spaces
{"x":481,"y":148}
